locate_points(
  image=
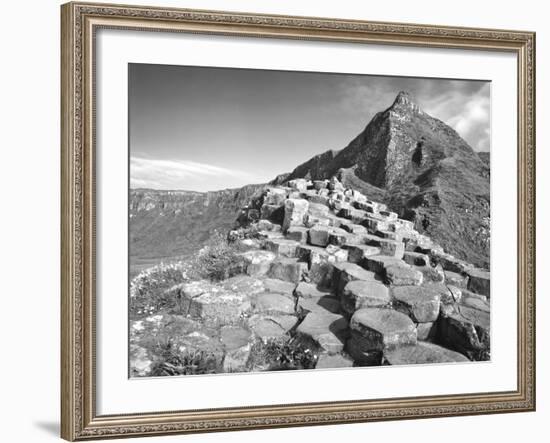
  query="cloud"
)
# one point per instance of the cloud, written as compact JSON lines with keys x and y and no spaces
{"x":469,"y":114}
{"x":185,"y":175}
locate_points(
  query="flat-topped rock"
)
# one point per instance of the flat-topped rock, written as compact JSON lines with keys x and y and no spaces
{"x":295,"y":211}
{"x":364,"y":294}
{"x":419,"y":303}
{"x":237,"y":342}
{"x":320,"y":305}
{"x":279,"y":286}
{"x":324,"y":332}
{"x":282,"y":246}
{"x":422,"y":353}
{"x":456,"y":279}
{"x":344,"y":272}
{"x":398,"y":275}
{"x":318,"y":235}
{"x":317,"y":209}
{"x":469,"y":299}
{"x":479,"y":281}
{"x":339,"y":237}
{"x":378,"y":329}
{"x":353,"y":228}
{"x":213,"y":303}
{"x":287,"y":269}
{"x":431,"y":274}
{"x":357,"y":252}
{"x":327,"y":361}
{"x":271,"y":327}
{"x":275,"y":196}
{"x":243,"y":284}
{"x":297,"y":233}
{"x":466,"y":330}
{"x":379,"y":263}
{"x":309,"y":290}
{"x":273,"y":303}
{"x":390,"y":248}
{"x":258,"y":262}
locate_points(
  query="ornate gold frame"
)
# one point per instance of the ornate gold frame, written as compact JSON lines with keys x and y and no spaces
{"x":79,"y":420}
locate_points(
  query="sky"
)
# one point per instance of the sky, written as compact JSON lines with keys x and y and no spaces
{"x":205,"y":129}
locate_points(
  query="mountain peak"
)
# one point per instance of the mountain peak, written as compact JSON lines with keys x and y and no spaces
{"x":404,"y":100}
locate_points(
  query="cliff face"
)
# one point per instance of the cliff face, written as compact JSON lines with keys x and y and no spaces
{"x":423,"y":170}
{"x":177,"y":223}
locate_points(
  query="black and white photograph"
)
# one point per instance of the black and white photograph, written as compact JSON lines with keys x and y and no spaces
{"x":283,"y":220}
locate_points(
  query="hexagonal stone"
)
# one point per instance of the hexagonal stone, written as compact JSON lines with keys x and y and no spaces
{"x":258,"y":262}
{"x":318,"y":235}
{"x":339,"y":237}
{"x":279,"y":286}
{"x":473,"y":300}
{"x":356,"y":253}
{"x":456,"y":279}
{"x":422,"y":353}
{"x":287,"y":269}
{"x":327,"y":361}
{"x":378,"y":329}
{"x":344,"y":272}
{"x":419,"y":303}
{"x":323,"y":332}
{"x":431,"y":274}
{"x":243,"y":284}
{"x":320,"y":305}
{"x":213,"y":303}
{"x":403,"y":276}
{"x":299,"y":184}
{"x":273,"y":303}
{"x":479,"y":281}
{"x":466,"y":330}
{"x":271,"y":327}
{"x":316,"y":220}
{"x":320,"y":262}
{"x":275,"y":196}
{"x":353,"y":228}
{"x":295,"y":211}
{"x":282,"y":246}
{"x":317,"y":209}
{"x":390,"y":248}
{"x":364,"y":294}
{"x":308,"y":290}
{"x":379,"y":263}
{"x":237,"y":342}
{"x":297,"y":233}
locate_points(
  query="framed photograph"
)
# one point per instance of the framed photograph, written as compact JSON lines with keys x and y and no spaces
{"x":283,"y":221}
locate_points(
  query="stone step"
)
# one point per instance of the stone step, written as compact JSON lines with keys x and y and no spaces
{"x":422,"y":353}
{"x":272,"y":327}
{"x":323,"y":332}
{"x":359,"y":294}
{"x":419,"y":303}
{"x":379,"y":329}
{"x":466,"y":330}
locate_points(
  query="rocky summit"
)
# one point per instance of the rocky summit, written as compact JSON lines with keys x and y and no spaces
{"x":327,"y":277}
{"x":421,"y":169}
